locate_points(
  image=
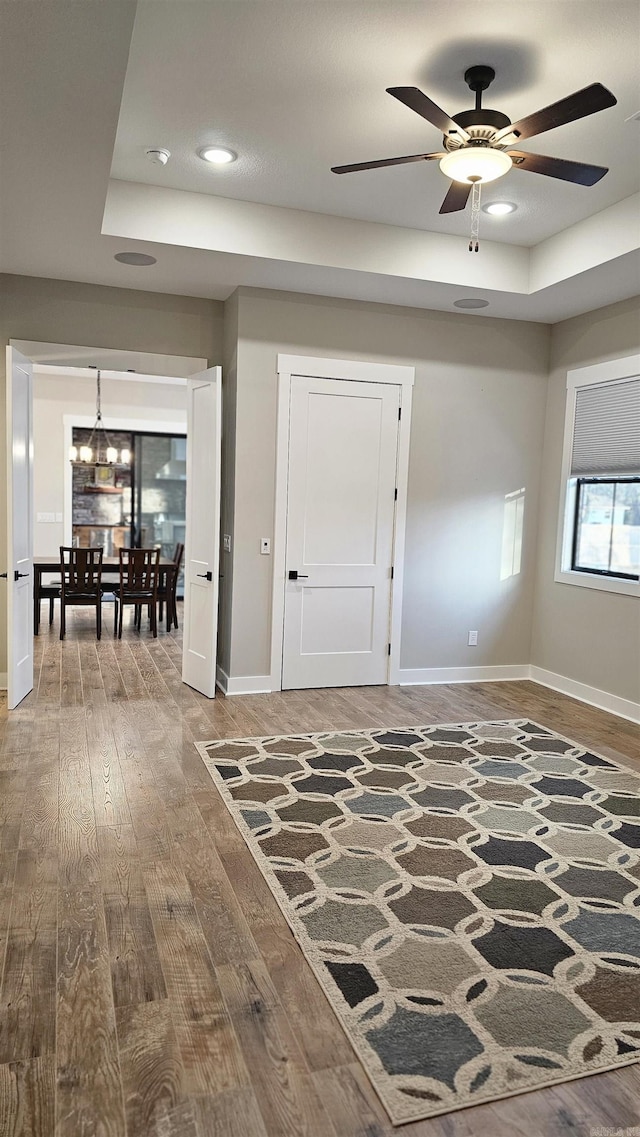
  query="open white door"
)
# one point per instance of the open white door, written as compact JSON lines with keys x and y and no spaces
{"x":202,"y":542}
{"x":19,"y":567}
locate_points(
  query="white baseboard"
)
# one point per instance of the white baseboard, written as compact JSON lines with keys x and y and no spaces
{"x":625,"y":708}
{"x":243,"y":684}
{"x":3,"y":681}
{"x":498,"y":674}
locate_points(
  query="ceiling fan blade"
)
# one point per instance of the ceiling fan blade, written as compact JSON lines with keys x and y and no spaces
{"x":580,"y":172}
{"x":385,"y":162}
{"x":456,"y":197}
{"x":579,"y":105}
{"x":413,"y":98}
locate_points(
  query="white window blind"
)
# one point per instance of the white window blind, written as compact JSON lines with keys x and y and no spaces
{"x":606,"y":433}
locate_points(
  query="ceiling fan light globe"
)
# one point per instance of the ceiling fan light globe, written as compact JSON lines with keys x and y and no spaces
{"x":475,"y":164}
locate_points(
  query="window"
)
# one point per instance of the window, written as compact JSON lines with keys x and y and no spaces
{"x":606,"y":535}
{"x":599,"y":535}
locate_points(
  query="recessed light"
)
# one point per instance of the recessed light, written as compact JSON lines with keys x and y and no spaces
{"x":499,"y":208}
{"x":471,"y":302}
{"x":139,"y":259}
{"x":217,"y":155}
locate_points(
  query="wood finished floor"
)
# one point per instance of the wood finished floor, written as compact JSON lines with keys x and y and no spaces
{"x":150,"y":984}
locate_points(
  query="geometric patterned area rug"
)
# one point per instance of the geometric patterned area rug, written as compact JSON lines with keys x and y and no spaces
{"x":468,"y":897}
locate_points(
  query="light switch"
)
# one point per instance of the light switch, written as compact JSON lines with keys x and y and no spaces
{"x":265,"y":546}
{"x":226,"y":542}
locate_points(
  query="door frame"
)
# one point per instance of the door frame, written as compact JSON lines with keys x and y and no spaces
{"x":147,"y":368}
{"x":290,"y":368}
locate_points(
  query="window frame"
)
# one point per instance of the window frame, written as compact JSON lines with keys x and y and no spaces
{"x":609,"y":371}
{"x":594,"y":481}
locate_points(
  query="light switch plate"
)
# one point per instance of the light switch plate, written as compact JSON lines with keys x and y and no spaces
{"x":265,"y":546}
{"x":226,"y":543}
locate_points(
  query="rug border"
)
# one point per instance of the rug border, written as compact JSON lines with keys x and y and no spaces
{"x":268,"y":872}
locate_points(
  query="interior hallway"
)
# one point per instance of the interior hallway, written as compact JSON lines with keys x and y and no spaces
{"x":151,"y":986}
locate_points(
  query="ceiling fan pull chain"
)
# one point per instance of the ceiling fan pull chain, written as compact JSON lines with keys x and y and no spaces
{"x":474,"y":243}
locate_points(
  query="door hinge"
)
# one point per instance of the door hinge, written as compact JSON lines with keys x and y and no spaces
{"x":389,"y":649}
{"x":395,"y":494}
{"x":399,"y":413}
{"x":392,"y":572}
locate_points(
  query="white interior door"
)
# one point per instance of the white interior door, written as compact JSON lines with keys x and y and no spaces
{"x":343,"y":444}
{"x":19,"y":565}
{"x":202,"y":541}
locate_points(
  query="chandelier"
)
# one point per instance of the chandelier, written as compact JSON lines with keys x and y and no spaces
{"x":99,"y":450}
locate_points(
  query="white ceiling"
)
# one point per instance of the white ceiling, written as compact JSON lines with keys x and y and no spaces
{"x":295,"y":87}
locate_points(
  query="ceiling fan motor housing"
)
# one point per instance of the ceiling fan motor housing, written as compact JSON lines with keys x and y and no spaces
{"x":482,"y":125}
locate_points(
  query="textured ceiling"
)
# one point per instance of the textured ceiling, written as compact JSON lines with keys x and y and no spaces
{"x":295,"y":87}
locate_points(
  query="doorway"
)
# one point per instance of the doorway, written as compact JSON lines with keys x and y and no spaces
{"x":202,"y":504}
{"x":340,"y":513}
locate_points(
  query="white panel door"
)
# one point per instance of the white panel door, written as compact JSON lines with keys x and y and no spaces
{"x":19,"y":527}
{"x":340,"y":515}
{"x":202,"y":540}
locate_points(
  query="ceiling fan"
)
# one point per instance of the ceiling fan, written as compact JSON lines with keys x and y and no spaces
{"x":478,"y":143}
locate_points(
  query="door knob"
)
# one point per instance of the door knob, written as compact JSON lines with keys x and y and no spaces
{"x":3,"y":576}
{"x":205,"y":575}
{"x":19,"y":575}
{"x":295,"y":575}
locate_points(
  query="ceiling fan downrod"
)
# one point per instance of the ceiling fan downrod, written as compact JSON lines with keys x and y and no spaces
{"x":474,"y":241}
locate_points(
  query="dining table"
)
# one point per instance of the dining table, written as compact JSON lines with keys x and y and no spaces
{"x":110,"y":571}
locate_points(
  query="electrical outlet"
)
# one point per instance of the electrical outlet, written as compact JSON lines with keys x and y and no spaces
{"x":473,"y":639}
{"x":226,"y":543}
{"x":265,"y":546}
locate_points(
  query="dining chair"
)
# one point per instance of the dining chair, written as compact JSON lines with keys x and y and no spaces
{"x":80,"y":582}
{"x":50,"y":592}
{"x":167,"y":591}
{"x":138,"y":586}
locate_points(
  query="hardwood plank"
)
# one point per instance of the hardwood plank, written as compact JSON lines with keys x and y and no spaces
{"x":39,"y":828}
{"x":222,"y":920}
{"x":136,"y":972}
{"x":27,"y":1098}
{"x":89,"y":1093}
{"x":286,"y":1095}
{"x":109,"y":797}
{"x":152,"y":1073}
{"x":27,"y":996}
{"x":303,"y":999}
{"x":12,"y":798}
{"x":210,"y":1053}
{"x":234,"y":1114}
{"x":78,"y":863}
{"x":352,"y":1105}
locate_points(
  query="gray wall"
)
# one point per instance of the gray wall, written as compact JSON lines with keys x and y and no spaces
{"x":62,"y":311}
{"x":587,"y":635}
{"x":477,"y":430}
